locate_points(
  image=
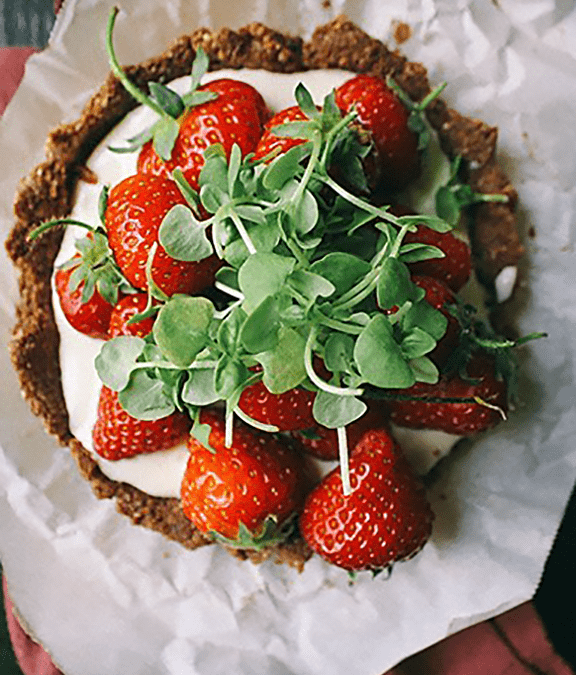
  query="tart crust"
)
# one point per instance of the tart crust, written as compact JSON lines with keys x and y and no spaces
{"x":48,"y":192}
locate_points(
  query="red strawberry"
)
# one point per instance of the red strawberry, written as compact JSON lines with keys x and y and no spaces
{"x":381,"y":112}
{"x":385,"y":519}
{"x":124,"y":310}
{"x":90,"y":317}
{"x":288,"y":411}
{"x":270,"y":142}
{"x":454,"y":269}
{"x":245,"y":493}
{"x":237,"y":115}
{"x":439,"y":295}
{"x":322,"y":443}
{"x":117,"y":435}
{"x":455,"y":418}
{"x":135,"y":210}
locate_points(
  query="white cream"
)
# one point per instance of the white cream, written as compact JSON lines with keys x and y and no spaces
{"x":160,"y":473}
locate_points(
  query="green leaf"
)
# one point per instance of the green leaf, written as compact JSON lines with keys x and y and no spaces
{"x":183,"y":236}
{"x":379,"y":357}
{"x":260,"y":330}
{"x":165,"y":135}
{"x":284,"y":167}
{"x":417,"y":343}
{"x":117,"y":360}
{"x":422,"y":315}
{"x":301,"y":130}
{"x":135,"y":142}
{"x":395,"y":287}
{"x":339,"y":353}
{"x":181,"y":328}
{"x":195,"y":98}
{"x":343,"y":270}
{"x":333,"y":411}
{"x":213,"y":197}
{"x":199,"y":387}
{"x":228,"y":336}
{"x":167,"y":99}
{"x":424,"y":370}
{"x":447,"y":205}
{"x":284,"y":365}
{"x":306,"y":102}
{"x":229,"y":376}
{"x":263,"y":275}
{"x":306,"y":213}
{"x":411,"y":253}
{"x":310,"y":285}
{"x":200,"y":67}
{"x":145,"y":398}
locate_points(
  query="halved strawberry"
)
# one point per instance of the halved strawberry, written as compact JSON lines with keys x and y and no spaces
{"x":246,"y":494}
{"x":384,"y":520}
{"x":118,"y":435}
{"x":135,"y":210}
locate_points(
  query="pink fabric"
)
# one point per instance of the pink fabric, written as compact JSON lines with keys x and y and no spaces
{"x":12,"y":62}
{"x":31,"y":657}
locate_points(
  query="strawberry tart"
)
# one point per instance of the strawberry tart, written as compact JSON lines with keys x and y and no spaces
{"x":243,"y":305}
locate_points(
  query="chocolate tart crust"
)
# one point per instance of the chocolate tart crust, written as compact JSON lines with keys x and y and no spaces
{"x":48,"y":192}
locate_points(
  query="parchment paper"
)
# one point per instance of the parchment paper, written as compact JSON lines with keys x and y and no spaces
{"x":106,"y":597}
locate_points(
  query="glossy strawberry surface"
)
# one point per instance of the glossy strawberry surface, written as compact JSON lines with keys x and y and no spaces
{"x":236,"y":115}
{"x":383,"y":115}
{"x":259,"y":477}
{"x":288,"y":411}
{"x":270,"y":142}
{"x":466,"y":418}
{"x":124,"y":310}
{"x":385,"y":519}
{"x":91,"y":318}
{"x":136,"y":207}
{"x":118,"y":435}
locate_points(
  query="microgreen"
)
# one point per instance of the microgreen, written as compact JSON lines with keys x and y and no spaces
{"x":455,"y":195}
{"x":168,"y":105}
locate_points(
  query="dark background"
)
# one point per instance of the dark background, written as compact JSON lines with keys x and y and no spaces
{"x":25,"y":23}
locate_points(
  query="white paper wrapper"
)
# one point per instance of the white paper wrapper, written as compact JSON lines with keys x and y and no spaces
{"x":106,"y":597}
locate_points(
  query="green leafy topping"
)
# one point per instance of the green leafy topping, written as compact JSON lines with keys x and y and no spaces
{"x":455,"y":195}
{"x":168,"y":104}
{"x":270,"y":533}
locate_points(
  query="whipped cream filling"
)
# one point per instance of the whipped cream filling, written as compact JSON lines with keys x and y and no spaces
{"x":160,"y":473}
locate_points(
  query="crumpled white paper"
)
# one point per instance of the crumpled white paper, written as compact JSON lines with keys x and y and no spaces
{"x":104,"y":596}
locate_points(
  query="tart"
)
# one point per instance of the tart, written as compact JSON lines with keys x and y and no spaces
{"x":48,"y":192}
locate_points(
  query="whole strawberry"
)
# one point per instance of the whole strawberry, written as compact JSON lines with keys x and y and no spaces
{"x":288,"y":411}
{"x":135,"y":210}
{"x":272,"y":143}
{"x":322,"y":443}
{"x":246,"y":494}
{"x":124,"y":310}
{"x":440,"y":297}
{"x":117,"y":435}
{"x":88,"y":315}
{"x":454,"y":269}
{"x":236,"y":115}
{"x":384,"y":116}
{"x":385,"y":519}
{"x":465,"y":419}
